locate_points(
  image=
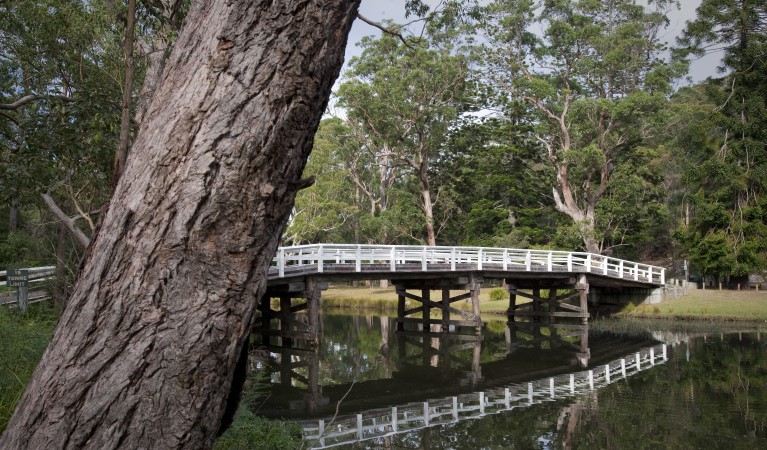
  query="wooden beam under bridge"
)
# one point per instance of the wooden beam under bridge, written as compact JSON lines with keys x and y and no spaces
{"x":294,"y":297}
{"x":573,"y":304}
{"x":470,"y":283}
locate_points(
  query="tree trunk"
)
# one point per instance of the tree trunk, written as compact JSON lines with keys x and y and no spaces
{"x":428,"y":207}
{"x":144,"y":353}
{"x":13,"y":216}
{"x":123,"y":143}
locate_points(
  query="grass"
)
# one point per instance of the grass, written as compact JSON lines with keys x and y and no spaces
{"x":375,"y":298}
{"x":707,"y":305}
{"x":23,"y":338}
{"x":251,"y":431}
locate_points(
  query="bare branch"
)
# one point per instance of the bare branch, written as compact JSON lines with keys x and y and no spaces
{"x":32,"y":98}
{"x":385,"y":30}
{"x":67,"y":221}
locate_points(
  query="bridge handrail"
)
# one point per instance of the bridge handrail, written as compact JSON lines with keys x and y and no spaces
{"x":319,"y":256}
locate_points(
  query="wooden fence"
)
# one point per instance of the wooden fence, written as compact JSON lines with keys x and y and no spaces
{"x":36,"y":277}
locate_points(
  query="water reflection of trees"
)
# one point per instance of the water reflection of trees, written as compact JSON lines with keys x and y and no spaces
{"x":716,"y":399}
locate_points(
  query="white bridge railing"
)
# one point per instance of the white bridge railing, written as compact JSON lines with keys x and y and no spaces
{"x":339,"y":258}
{"x":385,"y":422}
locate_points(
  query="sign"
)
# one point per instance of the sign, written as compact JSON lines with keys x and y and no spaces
{"x":17,"y":278}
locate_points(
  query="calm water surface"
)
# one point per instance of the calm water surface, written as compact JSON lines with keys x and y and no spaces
{"x":523,"y":388}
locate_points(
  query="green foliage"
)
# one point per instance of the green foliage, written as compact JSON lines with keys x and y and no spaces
{"x":23,"y":339}
{"x":594,"y":84}
{"x":498,"y":294}
{"x":249,"y":431}
{"x":723,"y":144}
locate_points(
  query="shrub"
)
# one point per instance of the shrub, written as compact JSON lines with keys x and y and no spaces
{"x":498,"y":294}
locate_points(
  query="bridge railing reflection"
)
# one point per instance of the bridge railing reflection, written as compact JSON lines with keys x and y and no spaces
{"x":381,"y":423}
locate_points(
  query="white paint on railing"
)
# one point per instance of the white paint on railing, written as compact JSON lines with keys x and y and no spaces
{"x":308,"y":258}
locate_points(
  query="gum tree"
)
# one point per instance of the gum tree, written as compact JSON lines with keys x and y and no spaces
{"x":144,"y":352}
{"x":594,"y":81}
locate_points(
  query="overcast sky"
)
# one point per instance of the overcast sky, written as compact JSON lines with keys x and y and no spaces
{"x":394,"y":9}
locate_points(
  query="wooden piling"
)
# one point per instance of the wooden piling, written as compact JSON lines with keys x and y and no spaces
{"x":552,"y":303}
{"x":512,"y":302}
{"x":536,"y":305}
{"x":583,"y":291}
{"x":445,"y":310}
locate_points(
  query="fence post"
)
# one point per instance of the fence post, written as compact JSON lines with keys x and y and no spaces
{"x":358,"y":259}
{"x":393,"y":261}
{"x":281,"y":262}
{"x":452,"y":259}
{"x":320,"y":259}
{"x":423,"y":260}
{"x":588,"y":262}
{"x":549,"y":261}
{"x":479,"y":260}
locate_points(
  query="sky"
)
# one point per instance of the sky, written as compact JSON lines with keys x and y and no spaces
{"x":379,"y":10}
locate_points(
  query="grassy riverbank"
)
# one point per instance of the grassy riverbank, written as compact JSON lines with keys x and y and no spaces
{"x":386,"y":299}
{"x":712,"y":305}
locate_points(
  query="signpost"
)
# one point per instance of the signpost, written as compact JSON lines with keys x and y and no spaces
{"x":19,"y":278}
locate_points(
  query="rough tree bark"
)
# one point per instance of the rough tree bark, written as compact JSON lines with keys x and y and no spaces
{"x":144,"y":353}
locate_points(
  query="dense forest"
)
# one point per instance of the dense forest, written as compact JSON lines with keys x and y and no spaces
{"x":566,"y":124}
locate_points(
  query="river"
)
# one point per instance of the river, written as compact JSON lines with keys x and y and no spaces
{"x":532,"y":387}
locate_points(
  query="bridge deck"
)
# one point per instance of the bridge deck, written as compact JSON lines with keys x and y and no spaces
{"x":342,"y":261}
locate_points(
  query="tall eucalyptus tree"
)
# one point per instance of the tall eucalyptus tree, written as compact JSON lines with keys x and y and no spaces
{"x":593,"y":77}
{"x":405,"y":98}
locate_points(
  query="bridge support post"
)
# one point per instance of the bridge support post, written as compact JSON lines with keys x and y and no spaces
{"x":470,"y":283}
{"x":583,"y":293}
{"x":445,"y":310}
{"x":552,"y":303}
{"x":553,"y":306}
{"x":475,"y":285}
{"x":293,"y":327}
{"x":512,"y":302}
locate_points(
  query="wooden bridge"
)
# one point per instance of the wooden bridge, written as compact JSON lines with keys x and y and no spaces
{"x":572,"y":280}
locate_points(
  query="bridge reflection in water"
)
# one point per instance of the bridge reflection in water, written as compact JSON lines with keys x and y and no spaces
{"x":417,"y":380}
